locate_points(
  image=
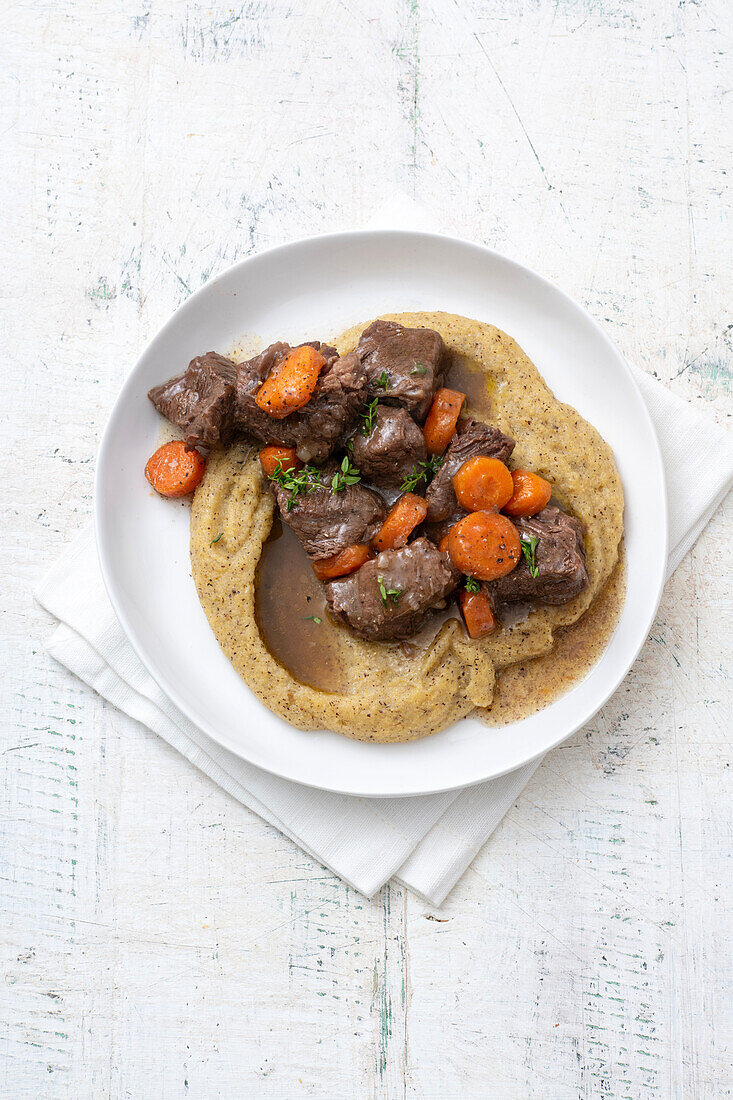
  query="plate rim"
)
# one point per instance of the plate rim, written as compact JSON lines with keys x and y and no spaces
{"x":104,"y":558}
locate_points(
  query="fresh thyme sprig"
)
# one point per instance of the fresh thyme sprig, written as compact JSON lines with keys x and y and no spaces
{"x":471,"y":584}
{"x":382,"y":383}
{"x":420,"y":472}
{"x":368,"y":416}
{"x":387,"y":594}
{"x":529,"y":550}
{"x":347,"y":475}
{"x":296,"y":482}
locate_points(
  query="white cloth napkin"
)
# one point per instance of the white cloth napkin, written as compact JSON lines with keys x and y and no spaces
{"x":424,"y":842}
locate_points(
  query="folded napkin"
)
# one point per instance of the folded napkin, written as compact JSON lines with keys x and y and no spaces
{"x":424,"y":842}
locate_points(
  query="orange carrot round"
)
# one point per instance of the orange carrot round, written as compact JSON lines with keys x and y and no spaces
{"x":530,"y":494}
{"x":482,"y":484}
{"x":402,"y":519}
{"x":341,"y":564}
{"x":285,"y":457}
{"x":484,"y":545}
{"x":291,"y":384}
{"x":478,"y":614}
{"x":173,"y":471}
{"x":442,"y":419}
{"x":443,"y":544}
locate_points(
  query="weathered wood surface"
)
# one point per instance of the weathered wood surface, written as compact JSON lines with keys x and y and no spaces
{"x":157,"y":939}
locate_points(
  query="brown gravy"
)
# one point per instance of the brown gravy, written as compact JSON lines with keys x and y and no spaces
{"x":288,"y":601}
{"x":466,"y":377}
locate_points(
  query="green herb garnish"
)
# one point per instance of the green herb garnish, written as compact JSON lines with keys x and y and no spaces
{"x":419,"y":368}
{"x":529,"y":550}
{"x":368,"y":417}
{"x":296,"y":482}
{"x":421,"y":472}
{"x":471,"y":584}
{"x":312,"y":619}
{"x":216,"y":539}
{"x":387,"y":594}
{"x":347,"y":475}
{"x":382,"y":383}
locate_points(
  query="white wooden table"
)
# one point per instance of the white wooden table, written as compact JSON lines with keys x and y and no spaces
{"x":158,"y":940}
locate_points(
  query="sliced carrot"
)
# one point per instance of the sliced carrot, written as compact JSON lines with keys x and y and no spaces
{"x":402,"y":519}
{"x":285,"y":457}
{"x":443,"y":544}
{"x":484,"y":545}
{"x":291,"y":384}
{"x":530,"y":494}
{"x":478,"y":614}
{"x":483,"y":483}
{"x":173,"y":471}
{"x":339,"y":565}
{"x":441,"y":421}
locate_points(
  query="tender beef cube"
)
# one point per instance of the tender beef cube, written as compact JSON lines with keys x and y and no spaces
{"x":392,"y":450}
{"x":415,"y":579}
{"x":472,"y":438}
{"x":411,"y":360}
{"x":559,"y":557}
{"x":316,"y":429}
{"x":326,"y":521}
{"x":200,"y":401}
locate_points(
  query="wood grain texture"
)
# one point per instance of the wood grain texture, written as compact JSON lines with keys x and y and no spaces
{"x":157,"y":939}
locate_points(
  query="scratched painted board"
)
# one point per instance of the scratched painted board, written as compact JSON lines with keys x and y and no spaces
{"x":159,"y":940}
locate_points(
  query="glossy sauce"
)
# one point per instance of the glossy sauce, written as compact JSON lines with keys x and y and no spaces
{"x":466,"y":377}
{"x":286,"y":599}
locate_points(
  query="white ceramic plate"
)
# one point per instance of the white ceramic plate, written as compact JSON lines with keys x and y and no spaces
{"x":313,"y":289}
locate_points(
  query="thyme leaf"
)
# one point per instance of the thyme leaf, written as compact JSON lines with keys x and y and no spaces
{"x":471,"y":584}
{"x":529,"y":550}
{"x":368,"y":417}
{"x":216,"y":539}
{"x":312,"y":619}
{"x":419,"y":368}
{"x":347,"y":475}
{"x":296,"y":482}
{"x":421,"y":472}
{"x":387,"y":594}
{"x":382,"y":383}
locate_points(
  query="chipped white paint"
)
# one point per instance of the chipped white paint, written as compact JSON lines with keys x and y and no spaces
{"x":157,"y":939}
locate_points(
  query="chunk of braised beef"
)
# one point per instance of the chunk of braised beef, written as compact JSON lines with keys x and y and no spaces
{"x":393,"y":448}
{"x":201,"y":401}
{"x":559,"y":558}
{"x":320,"y":426}
{"x":327,"y":521}
{"x":472,"y":438}
{"x":404,"y":366}
{"x":390,"y":597}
